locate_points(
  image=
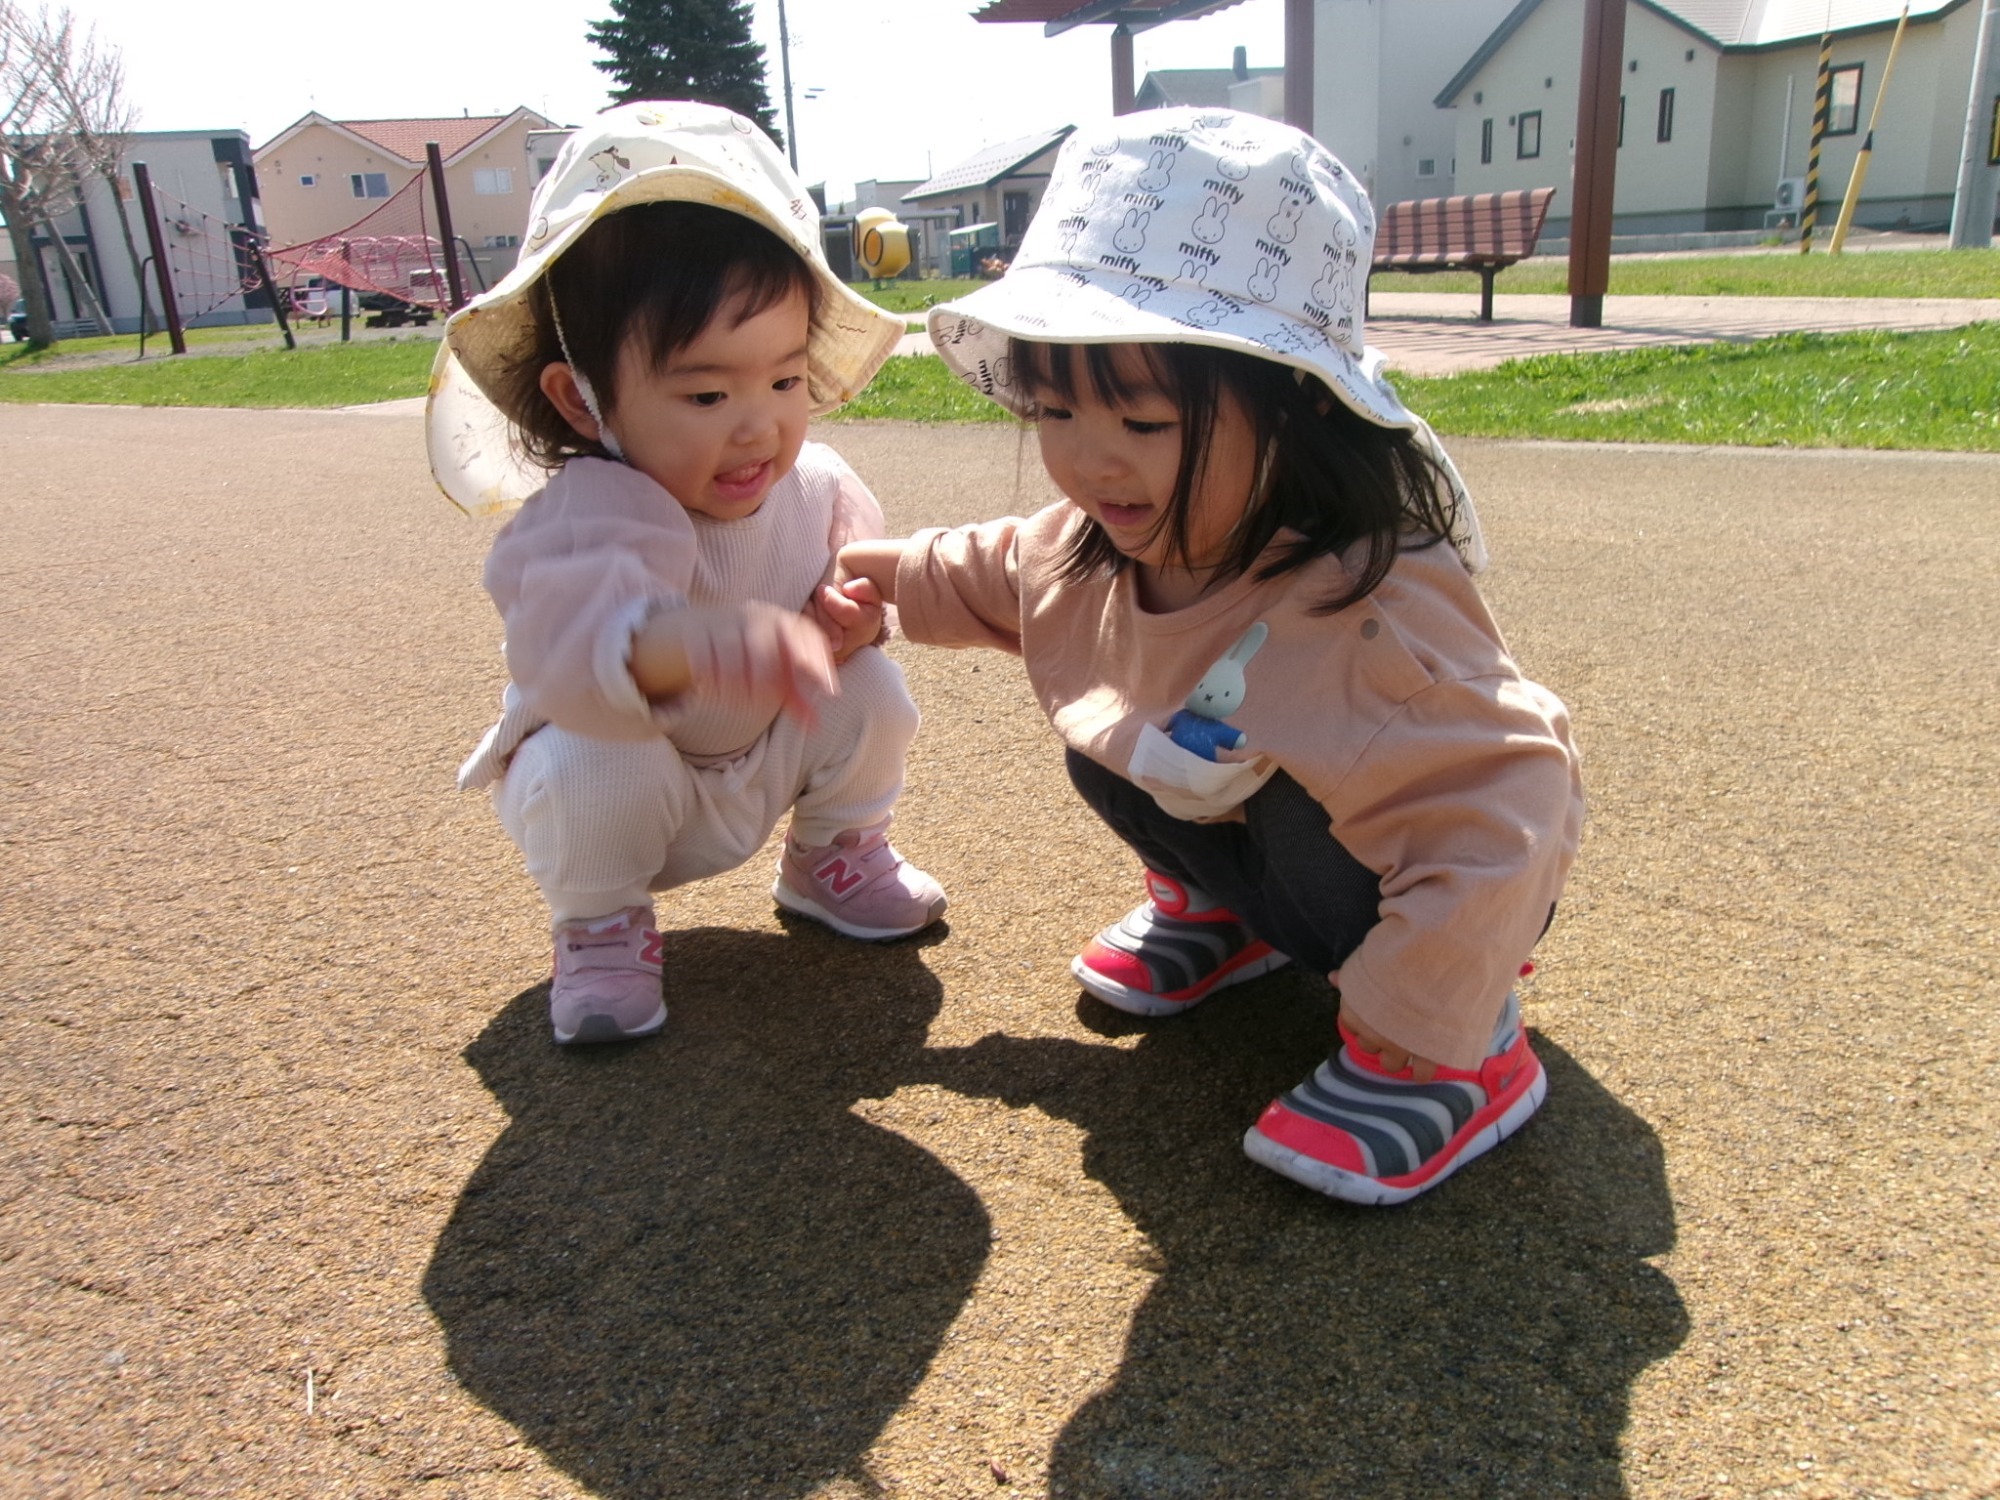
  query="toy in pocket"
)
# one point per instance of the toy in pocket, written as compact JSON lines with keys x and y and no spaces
{"x":1200,"y":724}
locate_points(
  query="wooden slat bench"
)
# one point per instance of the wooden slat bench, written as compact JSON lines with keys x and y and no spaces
{"x":1483,"y":232}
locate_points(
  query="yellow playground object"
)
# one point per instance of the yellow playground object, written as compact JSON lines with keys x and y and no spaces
{"x":881,"y":244}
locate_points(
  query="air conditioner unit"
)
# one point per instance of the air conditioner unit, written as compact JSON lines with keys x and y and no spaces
{"x":1791,"y":194}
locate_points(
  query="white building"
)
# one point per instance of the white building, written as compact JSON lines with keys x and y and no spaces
{"x":1378,"y":67}
{"x":1717,"y":109}
{"x":195,"y":183}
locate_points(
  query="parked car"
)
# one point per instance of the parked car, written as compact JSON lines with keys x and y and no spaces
{"x":17,"y":320}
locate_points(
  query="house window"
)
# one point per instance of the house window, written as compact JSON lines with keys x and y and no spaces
{"x":308,"y":179}
{"x":1621,"y":120}
{"x":1528,"y":135}
{"x":369,"y":184}
{"x":1843,"y":97}
{"x":493,"y":181}
{"x":1485,"y":143}
{"x":1427,"y":167}
{"x":1666,"y":130}
{"x":503,"y":241}
{"x":543,"y":166}
{"x":1993,"y":135}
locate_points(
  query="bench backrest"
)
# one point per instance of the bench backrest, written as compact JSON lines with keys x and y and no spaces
{"x":1500,"y":227}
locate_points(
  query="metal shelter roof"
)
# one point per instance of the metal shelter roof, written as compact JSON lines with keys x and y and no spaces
{"x":1058,"y":16}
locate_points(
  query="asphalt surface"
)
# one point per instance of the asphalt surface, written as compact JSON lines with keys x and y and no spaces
{"x":299,"y":1199}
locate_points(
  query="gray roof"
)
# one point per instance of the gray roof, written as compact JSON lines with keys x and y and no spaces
{"x":1730,"y":25}
{"x":990,"y":164}
{"x":1204,"y":88}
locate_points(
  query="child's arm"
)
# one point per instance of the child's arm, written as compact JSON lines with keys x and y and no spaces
{"x":872,"y":564}
{"x":851,"y":619}
{"x":861,"y":583}
{"x":591,"y":581}
{"x":752,"y":650}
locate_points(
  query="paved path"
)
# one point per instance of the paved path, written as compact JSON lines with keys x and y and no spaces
{"x":297,"y":1200}
{"x":1440,"y":334}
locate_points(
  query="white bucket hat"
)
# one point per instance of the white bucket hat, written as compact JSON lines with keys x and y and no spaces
{"x":632,"y":154}
{"x":1195,"y":226}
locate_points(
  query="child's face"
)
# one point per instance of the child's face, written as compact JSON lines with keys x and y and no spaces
{"x":723,"y":420}
{"x":1121,"y":461}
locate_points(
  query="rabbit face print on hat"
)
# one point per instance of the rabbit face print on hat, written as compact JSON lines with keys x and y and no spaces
{"x":1188,"y":226}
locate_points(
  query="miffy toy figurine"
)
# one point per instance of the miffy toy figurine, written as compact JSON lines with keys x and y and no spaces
{"x":1199,"y":724}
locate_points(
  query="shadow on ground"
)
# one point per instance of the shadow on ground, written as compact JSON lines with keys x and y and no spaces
{"x":686,"y":1268}
{"x":1480,"y":1341}
{"x":692,"y":1270}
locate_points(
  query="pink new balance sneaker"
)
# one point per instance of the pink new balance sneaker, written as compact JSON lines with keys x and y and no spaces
{"x":607,"y":984}
{"x":857,"y":885}
{"x":1171,"y":953}
{"x":1359,"y":1133}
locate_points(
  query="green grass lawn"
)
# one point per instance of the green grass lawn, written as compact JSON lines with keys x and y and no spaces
{"x":1860,"y":390}
{"x":323,"y":374}
{"x":1783,"y":273}
{"x":1936,"y":390}
{"x":1852,"y":390}
{"x":914,"y":296}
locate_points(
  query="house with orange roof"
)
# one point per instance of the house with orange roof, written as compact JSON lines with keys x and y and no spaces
{"x":318,"y":175}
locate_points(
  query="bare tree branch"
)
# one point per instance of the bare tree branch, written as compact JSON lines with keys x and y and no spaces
{"x":63,"y":118}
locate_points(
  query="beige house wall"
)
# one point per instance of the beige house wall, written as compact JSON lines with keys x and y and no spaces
{"x":295,"y":213}
{"x":1536,"y":70}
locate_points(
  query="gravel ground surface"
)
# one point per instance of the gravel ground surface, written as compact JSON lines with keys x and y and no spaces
{"x":299,"y":1200}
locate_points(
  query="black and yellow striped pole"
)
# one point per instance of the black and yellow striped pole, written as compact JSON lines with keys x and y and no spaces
{"x":1860,"y":175}
{"x":1822,"y":101}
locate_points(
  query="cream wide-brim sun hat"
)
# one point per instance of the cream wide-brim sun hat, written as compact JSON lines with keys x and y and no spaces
{"x":628,"y":155}
{"x":1195,"y":226}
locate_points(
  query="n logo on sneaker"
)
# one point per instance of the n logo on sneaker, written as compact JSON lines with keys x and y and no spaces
{"x":654,"y":952}
{"x":839,"y":876}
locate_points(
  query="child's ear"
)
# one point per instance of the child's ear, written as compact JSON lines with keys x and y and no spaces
{"x":558,"y":383}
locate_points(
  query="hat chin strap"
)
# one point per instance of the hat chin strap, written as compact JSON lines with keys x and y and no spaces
{"x":605,"y":436}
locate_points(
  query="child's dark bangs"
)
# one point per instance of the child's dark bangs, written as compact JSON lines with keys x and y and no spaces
{"x":692,"y":262}
{"x":1051,"y":371}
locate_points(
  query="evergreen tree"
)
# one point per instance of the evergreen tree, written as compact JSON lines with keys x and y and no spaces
{"x":686,"y":49}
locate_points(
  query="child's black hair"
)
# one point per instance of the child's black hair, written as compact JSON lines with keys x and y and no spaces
{"x":658,"y":272}
{"x":1338,"y":480}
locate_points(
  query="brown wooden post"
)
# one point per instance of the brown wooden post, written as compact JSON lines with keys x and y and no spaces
{"x":453,"y":289}
{"x":1124,"y":95}
{"x":1596,"y":174}
{"x":149,"y":210}
{"x":1299,"y":64}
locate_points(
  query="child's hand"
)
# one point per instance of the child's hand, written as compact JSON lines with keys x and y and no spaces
{"x":1393,"y":1058}
{"x":851,"y":614}
{"x":753,"y":651}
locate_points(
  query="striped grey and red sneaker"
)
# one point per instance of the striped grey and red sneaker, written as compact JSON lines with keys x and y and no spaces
{"x":1171,"y":953}
{"x":1356,"y":1132}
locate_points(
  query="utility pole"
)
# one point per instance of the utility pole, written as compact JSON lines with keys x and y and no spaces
{"x":785,"y":68}
{"x":1972,"y":203}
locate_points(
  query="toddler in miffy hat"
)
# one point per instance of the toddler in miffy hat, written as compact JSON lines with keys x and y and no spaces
{"x":1253,"y":625}
{"x":641,"y":383}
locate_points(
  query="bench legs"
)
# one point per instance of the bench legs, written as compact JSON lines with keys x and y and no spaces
{"x":1486,"y":275}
